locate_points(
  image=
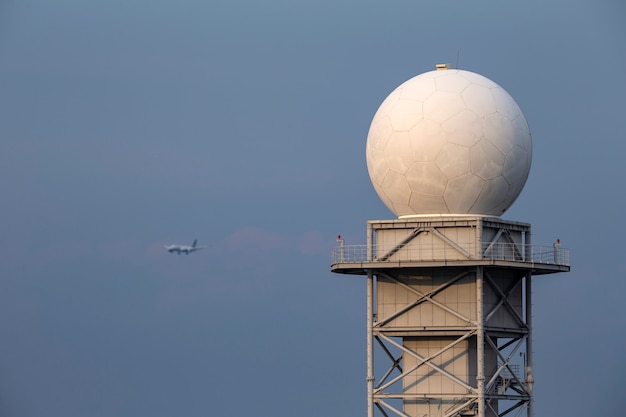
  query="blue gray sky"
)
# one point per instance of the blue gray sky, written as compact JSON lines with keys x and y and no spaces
{"x":127,"y":125}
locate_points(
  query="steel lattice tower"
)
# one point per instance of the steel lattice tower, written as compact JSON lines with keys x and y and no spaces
{"x":449,"y":283}
{"x":449,"y":314}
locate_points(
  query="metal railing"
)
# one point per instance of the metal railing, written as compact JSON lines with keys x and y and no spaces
{"x":549,"y":255}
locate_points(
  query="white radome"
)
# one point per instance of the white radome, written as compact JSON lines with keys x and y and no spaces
{"x":449,"y":142}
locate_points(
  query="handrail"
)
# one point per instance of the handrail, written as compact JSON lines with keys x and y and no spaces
{"x":548,"y":255}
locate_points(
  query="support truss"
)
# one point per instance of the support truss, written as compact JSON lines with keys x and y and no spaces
{"x":504,"y":390}
{"x":449,"y":314}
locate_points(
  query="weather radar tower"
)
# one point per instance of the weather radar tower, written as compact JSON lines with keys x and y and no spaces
{"x":449,"y":283}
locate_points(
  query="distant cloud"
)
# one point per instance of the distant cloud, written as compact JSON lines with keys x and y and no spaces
{"x":256,"y":238}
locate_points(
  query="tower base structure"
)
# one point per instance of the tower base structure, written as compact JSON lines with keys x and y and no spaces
{"x":449,"y":313}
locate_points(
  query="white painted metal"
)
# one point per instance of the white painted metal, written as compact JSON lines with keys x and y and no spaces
{"x":480,"y":343}
{"x":449,"y":286}
{"x":370,"y":344}
{"x":451,"y":321}
{"x":528,"y":354}
{"x":451,"y":142}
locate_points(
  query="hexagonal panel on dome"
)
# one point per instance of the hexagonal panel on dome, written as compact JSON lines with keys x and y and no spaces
{"x":490,"y":199}
{"x":517,"y":166}
{"x":376,"y":165}
{"x":462,"y":192}
{"x":465,"y":128}
{"x":522,"y":133}
{"x":453,"y":160}
{"x":486,"y":160}
{"x":404,"y":114}
{"x":398,"y":152}
{"x":421,"y":93}
{"x":426,"y":203}
{"x":379,"y":133}
{"x":396,"y":187}
{"x":505,"y":103}
{"x":442,"y":105}
{"x":480,"y":99}
{"x":426,"y":178}
{"x":450,"y":82}
{"x":427,"y":138}
{"x":500,"y":131}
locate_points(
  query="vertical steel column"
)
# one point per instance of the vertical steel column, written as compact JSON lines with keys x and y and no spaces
{"x":370,"y":323}
{"x":529,"y":342}
{"x":479,"y":239}
{"x":528,"y":252}
{"x":480,"y":342}
{"x":370,"y":242}
{"x":370,"y":343}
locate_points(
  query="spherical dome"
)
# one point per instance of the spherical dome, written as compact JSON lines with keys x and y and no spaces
{"x":449,"y":142}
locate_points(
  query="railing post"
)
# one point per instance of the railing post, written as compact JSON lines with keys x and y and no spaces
{"x":370,"y":242}
{"x":557,"y":249}
{"x":342,"y":255}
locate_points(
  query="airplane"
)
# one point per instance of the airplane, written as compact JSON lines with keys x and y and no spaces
{"x":184,"y":249}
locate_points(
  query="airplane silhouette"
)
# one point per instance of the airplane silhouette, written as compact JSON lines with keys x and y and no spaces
{"x":184,"y":249}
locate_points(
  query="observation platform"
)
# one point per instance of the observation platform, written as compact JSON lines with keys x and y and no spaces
{"x":454,"y":241}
